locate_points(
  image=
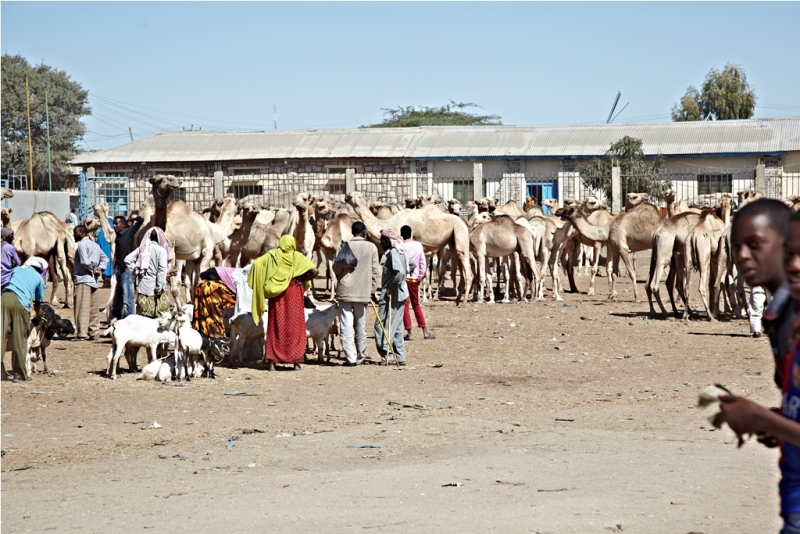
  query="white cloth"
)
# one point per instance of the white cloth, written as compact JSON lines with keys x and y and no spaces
{"x":353,"y":329}
{"x":71,"y":220}
{"x":756,"y":307}
{"x":244,"y":293}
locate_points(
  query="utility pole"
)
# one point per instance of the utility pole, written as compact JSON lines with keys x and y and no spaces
{"x":30,"y":144}
{"x":130,"y":132}
{"x":47,"y":118}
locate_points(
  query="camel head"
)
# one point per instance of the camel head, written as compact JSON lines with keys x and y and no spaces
{"x":634,"y":199}
{"x":747,"y":196}
{"x":482,"y":218}
{"x":322,"y":206}
{"x":567,"y":213}
{"x":591,"y":204}
{"x":91,"y":224}
{"x":486,"y":204}
{"x":216,"y":207}
{"x":100,"y":211}
{"x":5,"y":215}
{"x":6,"y":193}
{"x":670,"y":196}
{"x":569,"y":201}
{"x":355,"y":199}
{"x":375,"y":207}
{"x":302,"y":201}
{"x":454,"y":206}
{"x":248,"y":209}
{"x":163,"y":185}
{"x":551,"y":203}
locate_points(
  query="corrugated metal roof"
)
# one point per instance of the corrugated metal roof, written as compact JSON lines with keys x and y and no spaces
{"x":758,"y":136}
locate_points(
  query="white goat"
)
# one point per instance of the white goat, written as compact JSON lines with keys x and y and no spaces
{"x":247,"y":336}
{"x":319,"y":322}
{"x":132,"y":332}
{"x":192,"y":347}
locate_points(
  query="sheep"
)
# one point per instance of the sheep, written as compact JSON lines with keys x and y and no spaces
{"x":319,"y":322}
{"x":128,"y":335}
{"x":246,"y":335}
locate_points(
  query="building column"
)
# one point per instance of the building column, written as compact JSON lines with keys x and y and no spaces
{"x":477,"y":180}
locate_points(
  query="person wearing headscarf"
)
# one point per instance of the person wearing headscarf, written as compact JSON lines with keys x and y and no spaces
{"x":282,"y":275}
{"x":26,"y":285}
{"x":90,"y":262}
{"x":10,"y":258}
{"x":394,"y":292}
{"x":214,"y":299}
{"x":149,"y":263}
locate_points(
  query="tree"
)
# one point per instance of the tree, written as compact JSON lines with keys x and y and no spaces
{"x":448,"y":115}
{"x":725,"y":95}
{"x":67,"y":103}
{"x":637,"y":175}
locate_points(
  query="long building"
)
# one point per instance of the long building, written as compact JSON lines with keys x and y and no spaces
{"x":510,"y":162}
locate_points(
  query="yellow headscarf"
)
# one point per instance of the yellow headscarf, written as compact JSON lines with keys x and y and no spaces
{"x":271,"y":274}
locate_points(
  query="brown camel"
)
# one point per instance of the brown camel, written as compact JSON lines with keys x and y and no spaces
{"x":5,"y":216}
{"x":676,"y":208}
{"x":501,"y":237}
{"x":46,"y":236}
{"x":300,"y":224}
{"x":430,"y":226}
{"x":704,"y":250}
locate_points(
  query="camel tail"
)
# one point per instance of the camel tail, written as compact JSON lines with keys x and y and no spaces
{"x":695,"y":257}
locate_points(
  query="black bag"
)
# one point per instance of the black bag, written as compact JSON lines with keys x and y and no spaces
{"x":344,"y":261}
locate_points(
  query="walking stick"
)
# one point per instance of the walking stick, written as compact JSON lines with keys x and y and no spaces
{"x":385,"y":335}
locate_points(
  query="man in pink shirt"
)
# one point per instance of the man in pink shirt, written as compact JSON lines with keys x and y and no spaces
{"x":415,"y":254}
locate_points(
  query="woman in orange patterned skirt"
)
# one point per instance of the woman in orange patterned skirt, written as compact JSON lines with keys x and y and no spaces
{"x":214,"y":294}
{"x":282,"y":275}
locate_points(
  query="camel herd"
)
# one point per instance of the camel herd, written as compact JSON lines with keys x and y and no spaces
{"x":523,"y":245}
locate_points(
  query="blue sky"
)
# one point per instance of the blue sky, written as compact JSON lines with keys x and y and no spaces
{"x":158,"y":66}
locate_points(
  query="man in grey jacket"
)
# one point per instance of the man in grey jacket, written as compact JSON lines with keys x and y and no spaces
{"x":394,"y":293}
{"x":353,"y":292}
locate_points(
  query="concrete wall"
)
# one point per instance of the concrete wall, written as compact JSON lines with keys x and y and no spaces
{"x":26,"y":203}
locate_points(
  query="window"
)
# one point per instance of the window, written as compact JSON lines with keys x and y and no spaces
{"x":337,"y":170}
{"x":336,"y":187}
{"x":772,"y":162}
{"x":714,"y":183}
{"x":464,"y":190}
{"x":241,"y":190}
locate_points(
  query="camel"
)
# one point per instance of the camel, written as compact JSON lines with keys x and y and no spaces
{"x":704,"y":249}
{"x":747,"y":196}
{"x":222,"y":250}
{"x":192,"y":236}
{"x":6,"y":193}
{"x":668,"y":246}
{"x":430,"y":226}
{"x":624,"y":234}
{"x":46,"y":236}
{"x":300,"y":224}
{"x":486,"y":204}
{"x":630,"y":232}
{"x":674,"y":208}
{"x":338,"y":230}
{"x":5,"y":216}
{"x":384,"y":211}
{"x":634,"y":199}
{"x":511,"y":209}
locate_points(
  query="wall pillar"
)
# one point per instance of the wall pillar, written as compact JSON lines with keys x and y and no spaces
{"x":616,"y":191}
{"x":761,"y":179}
{"x":477,"y":180}
{"x":349,"y":180}
{"x":219,"y":187}
{"x":412,"y":167}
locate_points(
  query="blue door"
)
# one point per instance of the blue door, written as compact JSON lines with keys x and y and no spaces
{"x":542,"y":191}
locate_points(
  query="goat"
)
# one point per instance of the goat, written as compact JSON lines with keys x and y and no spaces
{"x":192,"y":346}
{"x":132,"y":332}
{"x":319,"y":323}
{"x":245,"y":334}
{"x":44,"y":326}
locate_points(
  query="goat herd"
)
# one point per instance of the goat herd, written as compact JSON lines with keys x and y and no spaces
{"x":523,"y":243}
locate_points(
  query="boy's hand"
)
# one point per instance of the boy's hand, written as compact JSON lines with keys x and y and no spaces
{"x":742,"y":415}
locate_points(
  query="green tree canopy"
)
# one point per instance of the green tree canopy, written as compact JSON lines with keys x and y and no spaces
{"x":451,"y":114}
{"x":725,"y":95}
{"x":67,"y":102}
{"x":637,"y":174}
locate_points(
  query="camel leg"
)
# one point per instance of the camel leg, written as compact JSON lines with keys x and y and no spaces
{"x":612,"y":269}
{"x":506,"y":275}
{"x":703,"y":256}
{"x":627,"y":259}
{"x":570,"y":264}
{"x":687,"y":278}
{"x":595,"y":266}
{"x":554,"y":274}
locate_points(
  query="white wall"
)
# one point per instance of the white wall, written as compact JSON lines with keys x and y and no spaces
{"x":26,"y":203}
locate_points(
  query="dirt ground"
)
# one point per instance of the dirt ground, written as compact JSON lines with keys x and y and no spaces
{"x":547,"y":417}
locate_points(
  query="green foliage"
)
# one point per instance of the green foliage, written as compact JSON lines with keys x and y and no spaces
{"x":725,"y":95}
{"x":451,"y":114}
{"x":68,"y":102}
{"x":637,"y":174}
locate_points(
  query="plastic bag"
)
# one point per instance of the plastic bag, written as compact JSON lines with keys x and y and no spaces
{"x":344,"y":261}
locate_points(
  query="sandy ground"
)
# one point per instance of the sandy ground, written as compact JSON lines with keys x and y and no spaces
{"x":548,"y":417}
